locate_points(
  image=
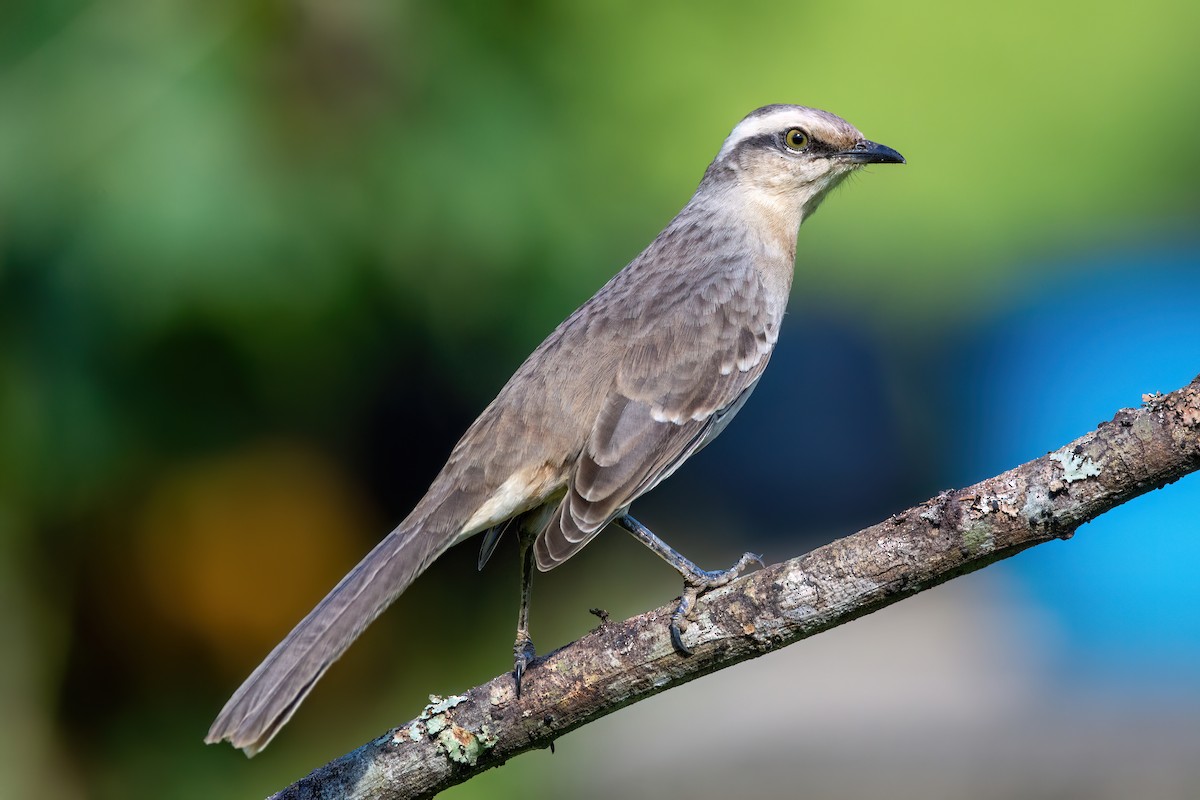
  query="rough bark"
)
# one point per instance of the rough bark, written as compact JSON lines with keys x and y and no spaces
{"x":620,"y":663}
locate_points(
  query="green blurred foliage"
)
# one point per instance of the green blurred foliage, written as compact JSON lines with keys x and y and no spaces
{"x":223,"y":224}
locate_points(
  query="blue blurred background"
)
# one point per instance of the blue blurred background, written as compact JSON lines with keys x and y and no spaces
{"x":261,"y":263}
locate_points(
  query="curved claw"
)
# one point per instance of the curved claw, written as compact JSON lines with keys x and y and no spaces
{"x":524,"y":655}
{"x":677,"y":640}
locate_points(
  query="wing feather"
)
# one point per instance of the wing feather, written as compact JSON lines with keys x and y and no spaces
{"x":676,"y":385}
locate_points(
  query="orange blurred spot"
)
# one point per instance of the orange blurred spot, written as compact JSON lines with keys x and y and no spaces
{"x":235,"y":550}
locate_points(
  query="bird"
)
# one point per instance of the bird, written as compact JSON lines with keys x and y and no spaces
{"x":618,"y":396}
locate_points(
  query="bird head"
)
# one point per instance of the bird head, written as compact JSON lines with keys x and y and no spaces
{"x":789,"y":157}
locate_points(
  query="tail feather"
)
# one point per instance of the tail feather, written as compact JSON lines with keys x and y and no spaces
{"x":269,"y":697}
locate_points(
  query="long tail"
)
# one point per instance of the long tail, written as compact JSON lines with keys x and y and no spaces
{"x":269,"y":697}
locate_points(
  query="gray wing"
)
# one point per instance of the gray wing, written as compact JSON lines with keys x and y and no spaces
{"x":676,"y":386}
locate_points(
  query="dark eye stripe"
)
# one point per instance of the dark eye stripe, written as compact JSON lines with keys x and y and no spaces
{"x":759,"y":141}
{"x":774,"y":141}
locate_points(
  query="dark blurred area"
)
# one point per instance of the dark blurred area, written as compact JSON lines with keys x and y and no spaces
{"x":262,"y":263}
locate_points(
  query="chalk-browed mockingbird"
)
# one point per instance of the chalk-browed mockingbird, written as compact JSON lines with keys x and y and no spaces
{"x":639,"y":378}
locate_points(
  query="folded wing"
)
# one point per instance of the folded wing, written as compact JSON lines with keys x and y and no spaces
{"x":678,"y":383}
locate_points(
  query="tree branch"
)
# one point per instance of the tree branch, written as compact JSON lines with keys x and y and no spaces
{"x":620,"y":663}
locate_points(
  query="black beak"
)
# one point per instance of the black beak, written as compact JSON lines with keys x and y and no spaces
{"x":868,"y":152}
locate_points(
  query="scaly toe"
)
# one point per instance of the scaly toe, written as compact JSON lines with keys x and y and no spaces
{"x":747,"y":559}
{"x":683,"y":612}
{"x":711,"y":580}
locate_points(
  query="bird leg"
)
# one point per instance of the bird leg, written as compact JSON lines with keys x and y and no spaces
{"x":696,"y":581}
{"x":523,"y":651}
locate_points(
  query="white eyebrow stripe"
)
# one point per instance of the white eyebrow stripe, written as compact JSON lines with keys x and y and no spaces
{"x":748,"y":129}
{"x":816,"y":122}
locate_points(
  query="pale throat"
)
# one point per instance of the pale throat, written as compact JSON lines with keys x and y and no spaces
{"x":772,"y":219}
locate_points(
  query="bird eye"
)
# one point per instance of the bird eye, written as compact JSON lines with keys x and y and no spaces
{"x":796,"y":139}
